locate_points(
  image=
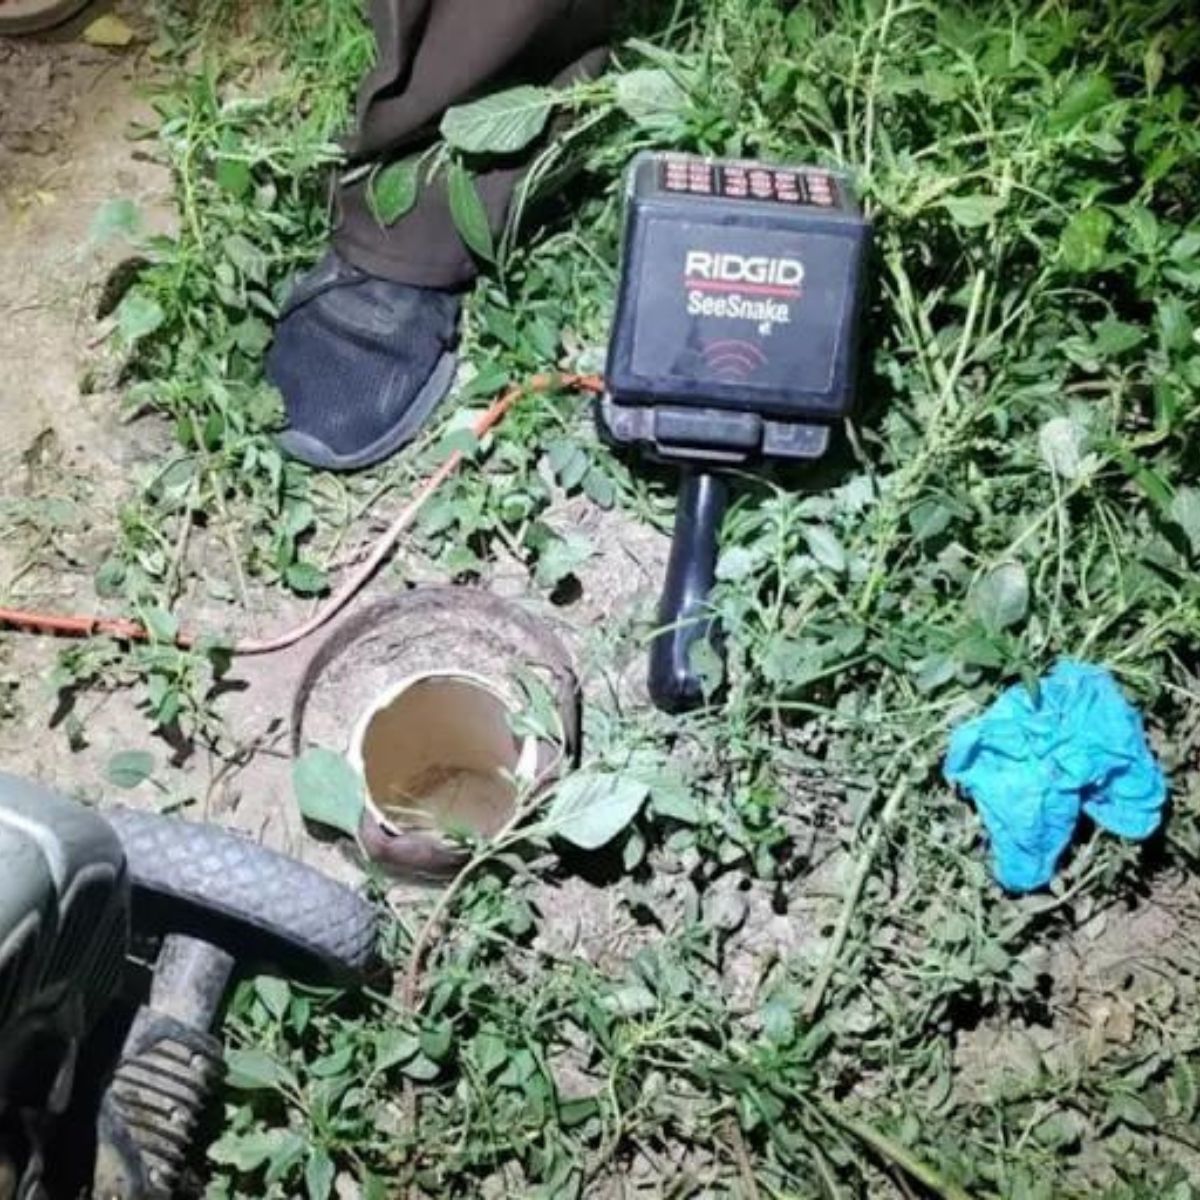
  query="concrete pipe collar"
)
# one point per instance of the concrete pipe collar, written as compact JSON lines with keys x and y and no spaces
{"x":418,"y":692}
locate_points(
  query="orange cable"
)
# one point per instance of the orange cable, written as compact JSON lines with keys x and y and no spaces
{"x":91,"y":626}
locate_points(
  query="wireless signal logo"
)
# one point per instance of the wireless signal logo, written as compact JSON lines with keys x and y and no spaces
{"x":732,"y":360}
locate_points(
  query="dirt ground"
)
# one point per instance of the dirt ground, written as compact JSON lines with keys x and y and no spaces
{"x":68,"y":453}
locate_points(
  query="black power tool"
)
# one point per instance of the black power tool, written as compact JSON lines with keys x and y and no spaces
{"x":734,"y":343}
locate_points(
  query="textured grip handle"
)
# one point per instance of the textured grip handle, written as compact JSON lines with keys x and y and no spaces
{"x":683,"y":613}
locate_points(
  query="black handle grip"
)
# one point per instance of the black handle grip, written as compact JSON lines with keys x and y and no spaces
{"x":683,"y":610}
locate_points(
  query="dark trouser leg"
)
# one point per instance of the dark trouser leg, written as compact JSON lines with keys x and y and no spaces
{"x":434,"y":54}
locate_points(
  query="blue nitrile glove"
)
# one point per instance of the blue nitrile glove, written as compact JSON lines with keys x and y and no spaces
{"x":1031,"y":764}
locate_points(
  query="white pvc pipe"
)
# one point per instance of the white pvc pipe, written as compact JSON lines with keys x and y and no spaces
{"x":524,"y":771}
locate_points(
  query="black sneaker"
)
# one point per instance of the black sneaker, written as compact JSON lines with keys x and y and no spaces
{"x":362,"y":363}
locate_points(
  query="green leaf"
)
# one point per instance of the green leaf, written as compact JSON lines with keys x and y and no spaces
{"x":164,"y":698}
{"x":650,"y":97}
{"x":252,"y":336}
{"x":1182,"y":1094}
{"x":274,"y":992}
{"x":253,"y":1069}
{"x":676,"y":803}
{"x":394,"y":1046}
{"x":470,"y":216}
{"x":108,"y":30}
{"x":436,"y":1040}
{"x":162,"y":625}
{"x":374,"y":1188}
{"x":1084,"y":241}
{"x":501,"y":123}
{"x":570,"y":463}
{"x":590,"y":808}
{"x":328,"y":789}
{"x":737,"y":563}
{"x":1062,"y":441}
{"x":251,"y":1150}
{"x":421,"y":1068}
{"x":1000,"y":598}
{"x":630,"y":1000}
{"x":109,"y":578}
{"x":1129,"y":1110}
{"x":246,"y":256}
{"x":633,"y":851}
{"x":138,"y":316}
{"x":318,"y":1174}
{"x":971,"y":212}
{"x":599,"y":488}
{"x":331,"y":1065}
{"x":929,"y":518}
{"x":233,"y":176}
{"x":1186,"y":247}
{"x":708,"y":665}
{"x":128,"y":768}
{"x":393,"y":191}
{"x":298,"y":517}
{"x":934,"y":671}
{"x":1060,"y":1130}
{"x":306,"y":579}
{"x":778,"y":1022}
{"x":1174,"y":323}
{"x":1115,"y":337}
{"x":1185,"y":512}
{"x":1085,"y":96}
{"x":824,"y":546}
{"x":489,"y":1050}
{"x":560,"y":558}
{"x":119,"y":218}
{"x":1154,"y":63}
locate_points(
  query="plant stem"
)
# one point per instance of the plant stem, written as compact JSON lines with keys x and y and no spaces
{"x":894,"y":1152}
{"x":887,"y":818}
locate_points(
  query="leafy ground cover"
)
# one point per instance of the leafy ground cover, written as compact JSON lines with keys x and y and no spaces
{"x":1020,"y":485}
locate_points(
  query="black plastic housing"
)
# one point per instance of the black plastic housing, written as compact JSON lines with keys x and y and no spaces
{"x":735,"y":336}
{"x":735,"y":341}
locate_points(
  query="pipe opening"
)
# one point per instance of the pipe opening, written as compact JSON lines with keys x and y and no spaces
{"x":438,"y":753}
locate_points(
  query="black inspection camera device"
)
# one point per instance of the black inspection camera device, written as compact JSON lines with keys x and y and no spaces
{"x":734,"y":343}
